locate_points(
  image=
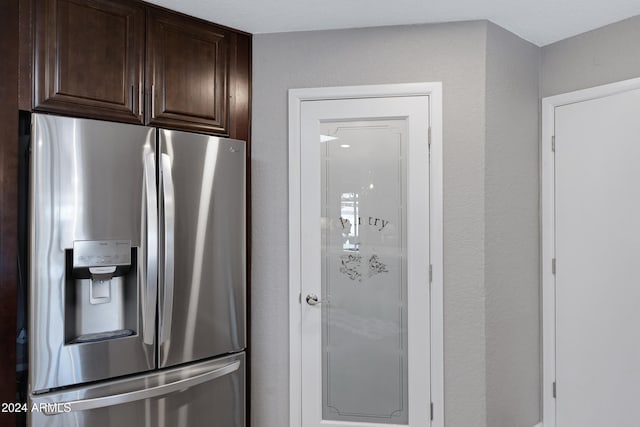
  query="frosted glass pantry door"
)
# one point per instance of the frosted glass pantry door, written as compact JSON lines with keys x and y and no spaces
{"x":365,"y":262}
{"x":363,"y":271}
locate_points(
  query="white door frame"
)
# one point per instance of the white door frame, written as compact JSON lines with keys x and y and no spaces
{"x":296,"y":97}
{"x":547,"y":208}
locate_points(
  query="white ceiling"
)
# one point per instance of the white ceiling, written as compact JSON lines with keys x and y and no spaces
{"x":539,"y":21}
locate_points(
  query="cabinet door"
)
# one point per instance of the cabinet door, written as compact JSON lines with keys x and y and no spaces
{"x":89,"y":58}
{"x":187,"y":73}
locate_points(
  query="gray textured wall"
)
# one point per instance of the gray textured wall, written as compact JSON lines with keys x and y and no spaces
{"x":512,"y":231}
{"x":451,"y":53}
{"x":491,"y":83}
{"x":604,"y":55}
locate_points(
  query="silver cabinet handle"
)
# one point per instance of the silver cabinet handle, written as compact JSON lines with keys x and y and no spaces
{"x":131,"y":99}
{"x":151,"y":277}
{"x":153,"y":101}
{"x":147,"y":393}
{"x":312,"y":299}
{"x":140,"y":101}
{"x":168,"y":201}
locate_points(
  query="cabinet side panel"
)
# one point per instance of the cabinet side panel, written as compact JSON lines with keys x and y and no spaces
{"x":25,"y":73}
{"x":8,"y":201}
{"x":240,"y":88}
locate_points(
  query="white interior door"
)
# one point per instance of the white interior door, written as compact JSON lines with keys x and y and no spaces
{"x":365,"y":262}
{"x":597,"y":238}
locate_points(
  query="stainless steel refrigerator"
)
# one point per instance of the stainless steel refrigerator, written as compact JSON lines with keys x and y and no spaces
{"x":137,"y":276}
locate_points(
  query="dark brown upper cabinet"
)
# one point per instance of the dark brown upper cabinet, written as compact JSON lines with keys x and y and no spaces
{"x":187,"y":73}
{"x":129,"y":61}
{"x":89,"y":58}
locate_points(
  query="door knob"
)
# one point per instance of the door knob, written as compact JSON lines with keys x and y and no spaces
{"x":312,"y":299}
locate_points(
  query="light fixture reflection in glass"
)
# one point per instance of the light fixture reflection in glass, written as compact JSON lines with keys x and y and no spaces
{"x":349,"y":219}
{"x":327,"y":138}
{"x":345,"y":146}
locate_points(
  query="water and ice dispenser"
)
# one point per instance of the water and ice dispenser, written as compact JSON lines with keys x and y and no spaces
{"x":101,"y":291}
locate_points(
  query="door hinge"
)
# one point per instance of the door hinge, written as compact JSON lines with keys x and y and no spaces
{"x":553,"y":266}
{"x":430,"y":273}
{"x":553,"y":143}
{"x":300,"y":298}
{"x":429,"y":137}
{"x":431,"y":410}
{"x":554,"y":389}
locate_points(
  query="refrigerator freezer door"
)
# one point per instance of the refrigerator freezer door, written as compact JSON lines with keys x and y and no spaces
{"x":206,"y":298}
{"x":93,"y":206}
{"x":197,"y":395}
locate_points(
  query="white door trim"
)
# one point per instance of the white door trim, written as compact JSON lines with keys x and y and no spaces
{"x":547,"y":208}
{"x":296,"y":97}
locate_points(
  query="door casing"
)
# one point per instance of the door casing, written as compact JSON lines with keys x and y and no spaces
{"x":296,"y":96}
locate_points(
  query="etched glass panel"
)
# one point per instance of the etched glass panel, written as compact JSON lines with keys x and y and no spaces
{"x":364,"y":278}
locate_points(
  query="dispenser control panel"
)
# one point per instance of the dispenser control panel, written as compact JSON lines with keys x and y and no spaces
{"x":98,"y":253}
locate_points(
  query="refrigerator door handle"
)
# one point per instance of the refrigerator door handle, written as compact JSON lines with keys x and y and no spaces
{"x":55,"y":408}
{"x":151,"y":279}
{"x":168,"y":198}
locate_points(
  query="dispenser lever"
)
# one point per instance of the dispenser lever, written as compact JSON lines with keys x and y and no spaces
{"x":100,"y":292}
{"x":102,"y":273}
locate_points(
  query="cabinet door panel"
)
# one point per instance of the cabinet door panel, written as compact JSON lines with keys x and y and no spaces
{"x":187,"y":73}
{"x":89,"y":58}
